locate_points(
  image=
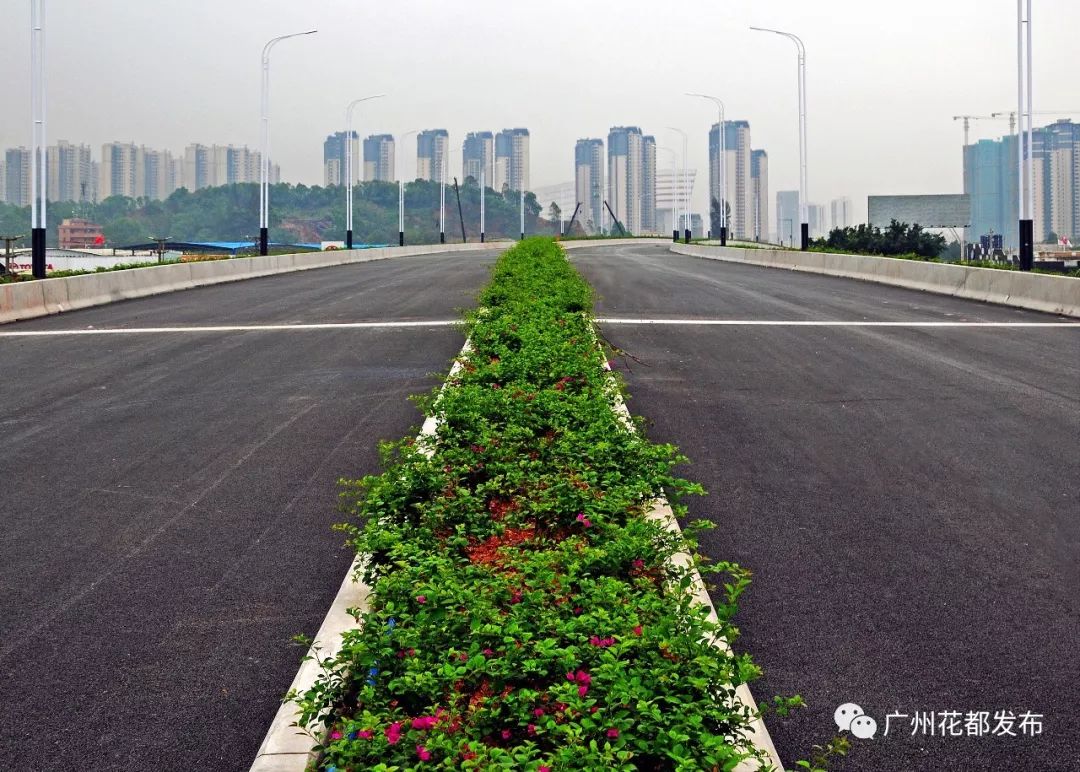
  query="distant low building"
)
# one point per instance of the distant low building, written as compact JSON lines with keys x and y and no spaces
{"x":76,"y":233}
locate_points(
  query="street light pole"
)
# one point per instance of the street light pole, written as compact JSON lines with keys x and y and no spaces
{"x":522,"y":191}
{"x":264,"y":165}
{"x":674,"y":191}
{"x":685,"y":186}
{"x":38,"y":191}
{"x":442,"y":192}
{"x":401,"y":186}
{"x":1025,"y":136}
{"x":349,"y":172}
{"x":804,"y":207}
{"x":483,"y":195}
{"x":723,"y":166}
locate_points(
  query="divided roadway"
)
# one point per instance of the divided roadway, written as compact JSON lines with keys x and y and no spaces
{"x":907,"y":498}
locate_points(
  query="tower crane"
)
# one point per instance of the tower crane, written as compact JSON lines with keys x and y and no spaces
{"x":1012,"y":116}
{"x":967,"y":119}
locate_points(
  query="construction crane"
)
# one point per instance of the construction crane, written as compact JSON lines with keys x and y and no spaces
{"x":967,"y":119}
{"x":1012,"y":116}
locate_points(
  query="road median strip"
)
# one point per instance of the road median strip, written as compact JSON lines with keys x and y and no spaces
{"x":533,"y":604}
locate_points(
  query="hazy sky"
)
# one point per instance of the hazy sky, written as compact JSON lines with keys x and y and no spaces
{"x":884,"y":78}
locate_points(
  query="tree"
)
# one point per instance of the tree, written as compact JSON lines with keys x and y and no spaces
{"x":897,"y":239}
{"x":554,"y":212}
{"x":125,"y":232}
{"x":1052,"y":238}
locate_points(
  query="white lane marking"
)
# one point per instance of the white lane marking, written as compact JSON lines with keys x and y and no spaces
{"x":224,"y":328}
{"x":823,"y":323}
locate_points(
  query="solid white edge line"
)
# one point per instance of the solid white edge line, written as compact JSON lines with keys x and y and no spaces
{"x":286,"y":748}
{"x":759,"y":734}
{"x":823,"y":323}
{"x":226,"y":328}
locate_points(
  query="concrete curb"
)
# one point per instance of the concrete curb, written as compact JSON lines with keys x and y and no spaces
{"x":1036,"y":292}
{"x":32,"y":299}
{"x":661,"y":510}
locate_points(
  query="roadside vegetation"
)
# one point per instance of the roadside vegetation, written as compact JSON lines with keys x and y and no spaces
{"x":525,"y":611}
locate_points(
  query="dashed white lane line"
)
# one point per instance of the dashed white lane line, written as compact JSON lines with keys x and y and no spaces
{"x":822,"y":323}
{"x":223,"y":328}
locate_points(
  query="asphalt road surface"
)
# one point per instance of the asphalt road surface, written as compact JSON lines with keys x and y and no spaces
{"x":908,"y":498}
{"x":167,"y":500}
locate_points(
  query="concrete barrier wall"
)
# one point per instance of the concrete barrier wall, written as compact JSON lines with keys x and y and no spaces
{"x":1034,"y":291}
{"x":30,"y":299}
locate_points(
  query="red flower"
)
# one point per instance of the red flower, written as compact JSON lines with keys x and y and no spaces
{"x":365,"y":734}
{"x":613,"y":733}
{"x":637,"y":630}
{"x":421,"y":599}
{"x":423,"y":753}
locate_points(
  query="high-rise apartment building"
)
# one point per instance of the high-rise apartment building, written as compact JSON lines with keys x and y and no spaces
{"x":17,"y":171}
{"x":432,"y":151}
{"x":626,"y":175}
{"x":117,"y":172}
{"x":739,"y":196}
{"x":841,"y":212}
{"x":1057,"y":178}
{"x":589,"y":182}
{"x":379,"y":158}
{"x":159,"y":173}
{"x":478,"y":157}
{"x":819,"y":226}
{"x":208,"y":166}
{"x":788,"y":224}
{"x":648,"y":190}
{"x":512,"y":160}
{"x":759,"y":184}
{"x":71,"y":173}
{"x":335,"y":158}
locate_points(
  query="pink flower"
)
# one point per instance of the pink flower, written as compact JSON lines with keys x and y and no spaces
{"x":531,"y":729}
{"x":515,"y":596}
{"x":543,"y":769}
{"x":365,"y":734}
{"x":570,"y":676}
{"x":538,"y":712}
{"x":424,"y":723}
{"x":593,"y":709}
{"x":423,"y":753}
{"x":584,"y":520}
{"x":506,"y":734}
{"x":488,"y":653}
{"x":603,"y":643}
{"x":421,"y":599}
{"x":582,"y":691}
{"x":637,"y":630}
{"x":335,"y":735}
{"x":393,"y":733}
{"x":583,"y":678}
{"x":639,"y":564}
{"x":613,"y":733}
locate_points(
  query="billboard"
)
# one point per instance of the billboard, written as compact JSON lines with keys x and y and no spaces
{"x":937,"y":211}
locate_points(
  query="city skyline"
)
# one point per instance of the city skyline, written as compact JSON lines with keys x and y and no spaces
{"x":847,"y":149}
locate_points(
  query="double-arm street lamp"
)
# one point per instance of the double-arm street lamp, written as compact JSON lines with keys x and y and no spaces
{"x":349,"y":173}
{"x":723,"y":166}
{"x":804,"y":207}
{"x":264,"y":165}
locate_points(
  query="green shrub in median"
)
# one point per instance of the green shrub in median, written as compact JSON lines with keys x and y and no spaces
{"x":525,"y":613}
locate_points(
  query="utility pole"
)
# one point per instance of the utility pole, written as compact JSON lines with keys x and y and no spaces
{"x":161,"y":246}
{"x":8,"y":241}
